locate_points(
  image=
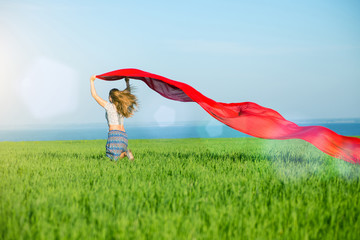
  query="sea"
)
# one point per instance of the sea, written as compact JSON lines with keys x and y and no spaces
{"x":347,"y":127}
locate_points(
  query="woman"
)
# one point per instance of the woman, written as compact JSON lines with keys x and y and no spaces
{"x":121,"y":104}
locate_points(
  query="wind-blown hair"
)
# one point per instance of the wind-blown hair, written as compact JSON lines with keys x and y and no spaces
{"x":124,"y":101}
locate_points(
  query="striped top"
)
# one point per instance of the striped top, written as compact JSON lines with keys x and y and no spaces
{"x":112,"y":116}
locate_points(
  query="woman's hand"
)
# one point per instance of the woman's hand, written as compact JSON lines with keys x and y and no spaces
{"x":92,"y":78}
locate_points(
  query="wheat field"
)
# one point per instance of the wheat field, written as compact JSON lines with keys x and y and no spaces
{"x":236,"y":188}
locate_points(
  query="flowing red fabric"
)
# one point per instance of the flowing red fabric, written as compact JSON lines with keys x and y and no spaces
{"x":248,"y":117}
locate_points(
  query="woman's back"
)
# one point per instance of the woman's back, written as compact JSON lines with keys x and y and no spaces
{"x":112,"y":116}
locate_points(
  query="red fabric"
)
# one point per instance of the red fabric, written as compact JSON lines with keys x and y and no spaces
{"x":248,"y":117}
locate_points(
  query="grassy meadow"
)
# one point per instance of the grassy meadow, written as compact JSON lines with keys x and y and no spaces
{"x":240,"y":188}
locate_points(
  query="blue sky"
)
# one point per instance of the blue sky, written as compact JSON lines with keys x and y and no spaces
{"x":300,"y":58}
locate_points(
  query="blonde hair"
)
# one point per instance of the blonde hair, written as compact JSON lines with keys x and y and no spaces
{"x":124,"y":101}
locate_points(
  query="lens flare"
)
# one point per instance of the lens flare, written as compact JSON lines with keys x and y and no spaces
{"x":49,"y":89}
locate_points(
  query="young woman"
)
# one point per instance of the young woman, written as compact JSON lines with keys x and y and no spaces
{"x":121,"y":105}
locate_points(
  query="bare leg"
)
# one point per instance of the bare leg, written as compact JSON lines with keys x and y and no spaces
{"x":122,"y":155}
{"x":129,"y":154}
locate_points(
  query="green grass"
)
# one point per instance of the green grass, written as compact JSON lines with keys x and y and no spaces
{"x":243,"y":188}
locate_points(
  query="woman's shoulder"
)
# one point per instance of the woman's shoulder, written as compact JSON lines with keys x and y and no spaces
{"x":109,"y":105}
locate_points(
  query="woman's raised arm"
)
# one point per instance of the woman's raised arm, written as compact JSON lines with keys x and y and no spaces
{"x":127,"y":84}
{"x":98,"y":99}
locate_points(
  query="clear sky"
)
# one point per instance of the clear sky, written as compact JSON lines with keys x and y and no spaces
{"x":301,"y":58}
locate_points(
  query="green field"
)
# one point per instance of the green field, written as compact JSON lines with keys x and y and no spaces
{"x":242,"y":188}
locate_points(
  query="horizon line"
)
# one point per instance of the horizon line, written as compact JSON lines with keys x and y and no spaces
{"x":163,"y":124}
